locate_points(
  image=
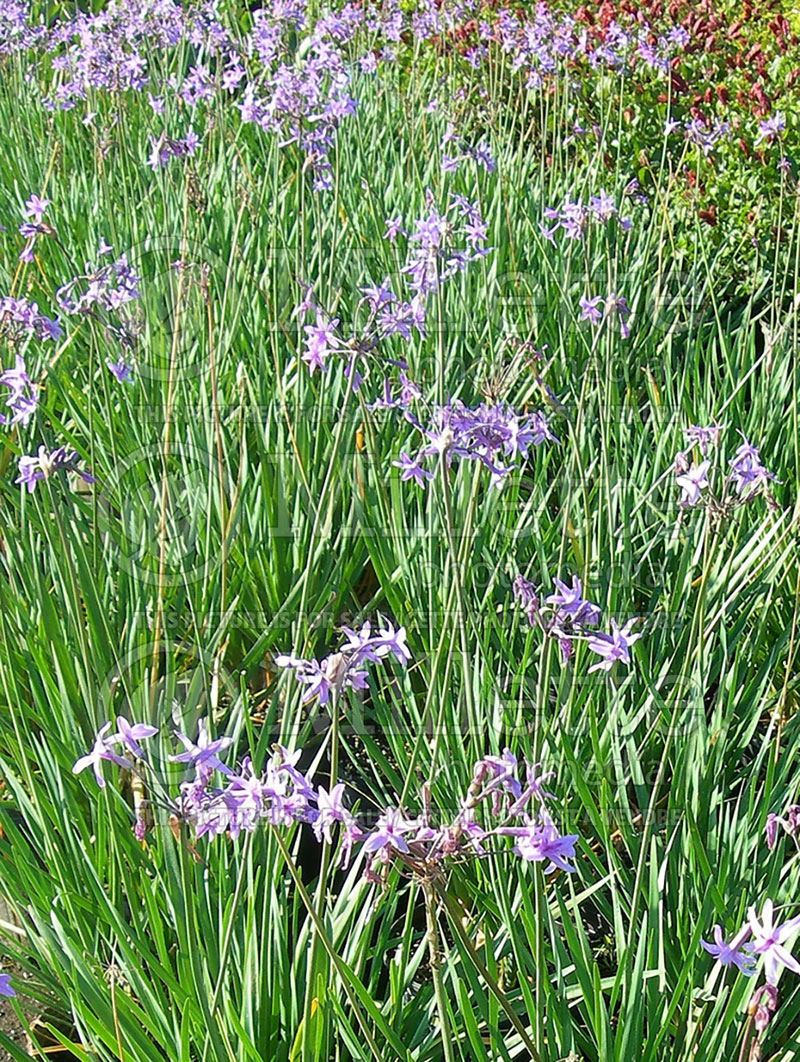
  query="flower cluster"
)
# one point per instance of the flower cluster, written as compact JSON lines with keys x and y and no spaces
{"x":573,"y":218}
{"x":345,"y":669}
{"x":460,"y":150}
{"x":109,"y":287}
{"x":513,"y":807}
{"x":745,"y":478}
{"x":565,"y":616}
{"x":165,"y":148}
{"x":439,"y":247}
{"x":44,"y":464}
{"x":492,"y":434}
{"x":22,"y":399}
{"x":759,"y":938}
{"x":218,"y":799}
{"x":20,"y":318}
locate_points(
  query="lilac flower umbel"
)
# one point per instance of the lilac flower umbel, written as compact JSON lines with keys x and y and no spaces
{"x":344,"y":668}
{"x":492,"y":434}
{"x":747,"y":476}
{"x":505,"y":798}
{"x":563,"y":615}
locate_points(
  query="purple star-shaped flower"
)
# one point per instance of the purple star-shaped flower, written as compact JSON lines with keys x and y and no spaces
{"x":613,"y":646}
{"x":736,"y":953}
{"x":769,"y":939}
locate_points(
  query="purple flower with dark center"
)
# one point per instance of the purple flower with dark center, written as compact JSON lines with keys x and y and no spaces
{"x":612,"y":647}
{"x":736,"y":953}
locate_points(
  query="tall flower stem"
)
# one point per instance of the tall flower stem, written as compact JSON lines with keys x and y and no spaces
{"x":434,"y":953}
{"x":317,"y":953}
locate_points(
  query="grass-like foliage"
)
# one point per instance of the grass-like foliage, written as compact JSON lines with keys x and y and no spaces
{"x":399,"y":571}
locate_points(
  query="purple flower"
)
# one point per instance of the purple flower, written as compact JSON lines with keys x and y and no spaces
{"x":120,"y":371}
{"x":617,"y":304}
{"x":734,"y":953}
{"x":539,"y":841}
{"x":5,"y":986}
{"x":394,"y":228}
{"x":771,"y":830}
{"x":769,"y":939}
{"x":704,"y":437}
{"x":388,"y":834}
{"x":602,"y":206}
{"x":612,"y":647}
{"x":320,"y":342}
{"x":590,"y":308}
{"x":22,"y":400}
{"x":379,"y":295}
{"x":204,"y":753}
{"x":747,"y":471}
{"x":569,"y":602}
{"x":331,"y":810}
{"x":132,"y":735}
{"x":692,"y":482}
{"x":102,"y":750}
{"x":33,"y":469}
{"x":771,"y":128}
{"x":35,"y":208}
{"x":411,"y":469}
